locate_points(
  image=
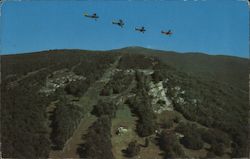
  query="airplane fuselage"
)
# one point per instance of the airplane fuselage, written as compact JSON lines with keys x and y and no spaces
{"x":92,"y":16}
{"x":166,"y":33}
{"x":142,"y":30}
{"x":118,"y":23}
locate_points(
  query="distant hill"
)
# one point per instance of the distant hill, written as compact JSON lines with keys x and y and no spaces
{"x":225,"y":69}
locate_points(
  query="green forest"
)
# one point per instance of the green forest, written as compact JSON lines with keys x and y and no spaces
{"x":46,"y":95}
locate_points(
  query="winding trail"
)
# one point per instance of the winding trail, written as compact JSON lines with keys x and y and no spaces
{"x":87,"y":101}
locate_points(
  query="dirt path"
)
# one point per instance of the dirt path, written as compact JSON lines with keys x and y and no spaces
{"x":87,"y":101}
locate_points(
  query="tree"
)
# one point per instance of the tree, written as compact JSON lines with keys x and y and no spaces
{"x":192,"y":141}
{"x":218,"y":149}
{"x":157,"y":76}
{"x":170,"y":145}
{"x":98,"y":140}
{"x":76,"y":88}
{"x":133,"y":149}
{"x":106,"y":91}
{"x":192,"y":135}
{"x":168,"y":124}
{"x":104,"y":108}
{"x":146,"y":142}
{"x":210,"y":155}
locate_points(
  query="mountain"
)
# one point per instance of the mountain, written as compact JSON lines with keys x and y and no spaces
{"x":231,"y":70}
{"x":123,"y":103}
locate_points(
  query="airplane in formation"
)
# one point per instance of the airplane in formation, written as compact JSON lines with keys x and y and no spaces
{"x":119,"y":23}
{"x":169,"y":32}
{"x":142,"y":29}
{"x":93,"y":16}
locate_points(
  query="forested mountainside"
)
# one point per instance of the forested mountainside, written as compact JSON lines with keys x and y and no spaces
{"x":123,"y":103}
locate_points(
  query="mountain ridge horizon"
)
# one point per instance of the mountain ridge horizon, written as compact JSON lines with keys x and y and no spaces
{"x":129,"y":48}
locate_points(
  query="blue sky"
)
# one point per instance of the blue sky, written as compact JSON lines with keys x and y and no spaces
{"x":209,"y":26}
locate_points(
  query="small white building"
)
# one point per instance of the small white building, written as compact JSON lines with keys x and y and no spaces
{"x":121,"y":130}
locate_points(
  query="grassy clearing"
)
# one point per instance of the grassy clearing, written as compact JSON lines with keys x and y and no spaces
{"x":119,"y":142}
{"x":125,"y":118}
